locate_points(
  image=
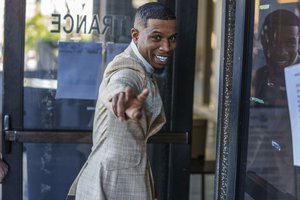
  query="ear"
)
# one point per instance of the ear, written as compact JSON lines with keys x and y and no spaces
{"x":134,"y":35}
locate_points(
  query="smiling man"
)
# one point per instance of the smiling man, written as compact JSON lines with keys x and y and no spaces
{"x":129,"y":110}
{"x":280,"y":41}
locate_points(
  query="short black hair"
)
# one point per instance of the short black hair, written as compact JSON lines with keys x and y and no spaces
{"x":154,"y":10}
{"x":276,"y":19}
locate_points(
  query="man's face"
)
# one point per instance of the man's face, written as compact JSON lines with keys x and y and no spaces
{"x":156,"y":42}
{"x":283,"y":51}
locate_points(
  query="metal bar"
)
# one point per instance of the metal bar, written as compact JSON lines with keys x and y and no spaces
{"x":48,"y":137}
{"x":83,"y":137}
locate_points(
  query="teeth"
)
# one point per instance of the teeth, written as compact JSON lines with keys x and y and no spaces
{"x":162,"y":58}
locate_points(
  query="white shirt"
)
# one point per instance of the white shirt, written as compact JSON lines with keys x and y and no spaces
{"x":148,"y":68}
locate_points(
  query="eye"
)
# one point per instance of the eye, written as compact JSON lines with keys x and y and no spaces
{"x":291,"y":43}
{"x":172,"y":38}
{"x":157,"y":37}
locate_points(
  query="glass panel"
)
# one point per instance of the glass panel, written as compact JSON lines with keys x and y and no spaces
{"x":1,"y":68}
{"x":272,"y":162}
{"x":1,"y":53}
{"x":49,"y":169}
{"x":67,"y":46}
{"x":206,"y":80}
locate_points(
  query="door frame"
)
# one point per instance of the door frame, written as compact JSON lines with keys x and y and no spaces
{"x":14,"y":30}
{"x":234,"y":94}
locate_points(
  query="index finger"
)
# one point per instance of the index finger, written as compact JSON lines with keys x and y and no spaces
{"x":143,"y":95}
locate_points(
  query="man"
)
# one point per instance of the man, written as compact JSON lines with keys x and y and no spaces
{"x":280,"y":41}
{"x":129,"y":110}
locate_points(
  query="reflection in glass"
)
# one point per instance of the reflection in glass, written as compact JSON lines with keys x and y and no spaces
{"x":270,"y":170}
{"x":50,"y":22}
{"x":280,"y":40}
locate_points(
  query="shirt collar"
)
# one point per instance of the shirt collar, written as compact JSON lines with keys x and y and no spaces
{"x":148,"y":68}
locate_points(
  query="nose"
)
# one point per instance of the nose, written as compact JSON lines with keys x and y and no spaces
{"x":282,"y":50}
{"x":165,"y":46}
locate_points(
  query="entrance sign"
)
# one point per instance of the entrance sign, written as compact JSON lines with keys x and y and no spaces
{"x":79,"y":67}
{"x":109,"y":24}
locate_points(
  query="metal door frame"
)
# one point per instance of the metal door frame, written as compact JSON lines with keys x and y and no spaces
{"x":14,"y":24}
{"x":234,"y":91}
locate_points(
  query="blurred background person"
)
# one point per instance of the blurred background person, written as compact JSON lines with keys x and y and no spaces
{"x":280,"y":42}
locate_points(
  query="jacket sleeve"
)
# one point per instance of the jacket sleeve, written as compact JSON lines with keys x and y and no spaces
{"x":117,"y":81}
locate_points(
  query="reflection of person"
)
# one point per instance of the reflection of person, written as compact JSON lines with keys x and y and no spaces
{"x":280,"y":41}
{"x":3,"y":170}
{"x":270,"y":153}
{"x":129,"y":110}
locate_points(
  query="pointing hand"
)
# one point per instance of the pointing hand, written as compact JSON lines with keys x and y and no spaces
{"x":126,"y":104}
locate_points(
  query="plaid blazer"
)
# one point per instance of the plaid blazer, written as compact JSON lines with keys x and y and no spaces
{"x":117,"y":167}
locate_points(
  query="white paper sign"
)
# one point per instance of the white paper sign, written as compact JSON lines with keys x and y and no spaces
{"x":292,"y":80}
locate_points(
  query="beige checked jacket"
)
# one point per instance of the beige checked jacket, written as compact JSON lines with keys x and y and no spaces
{"x":117,"y":167}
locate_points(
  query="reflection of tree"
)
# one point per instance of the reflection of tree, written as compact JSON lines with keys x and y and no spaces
{"x":37,"y":30}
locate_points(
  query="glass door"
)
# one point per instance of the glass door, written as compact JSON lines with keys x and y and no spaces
{"x":258,"y":128}
{"x":55,"y":53}
{"x":272,"y":158}
{"x":66,"y":47}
